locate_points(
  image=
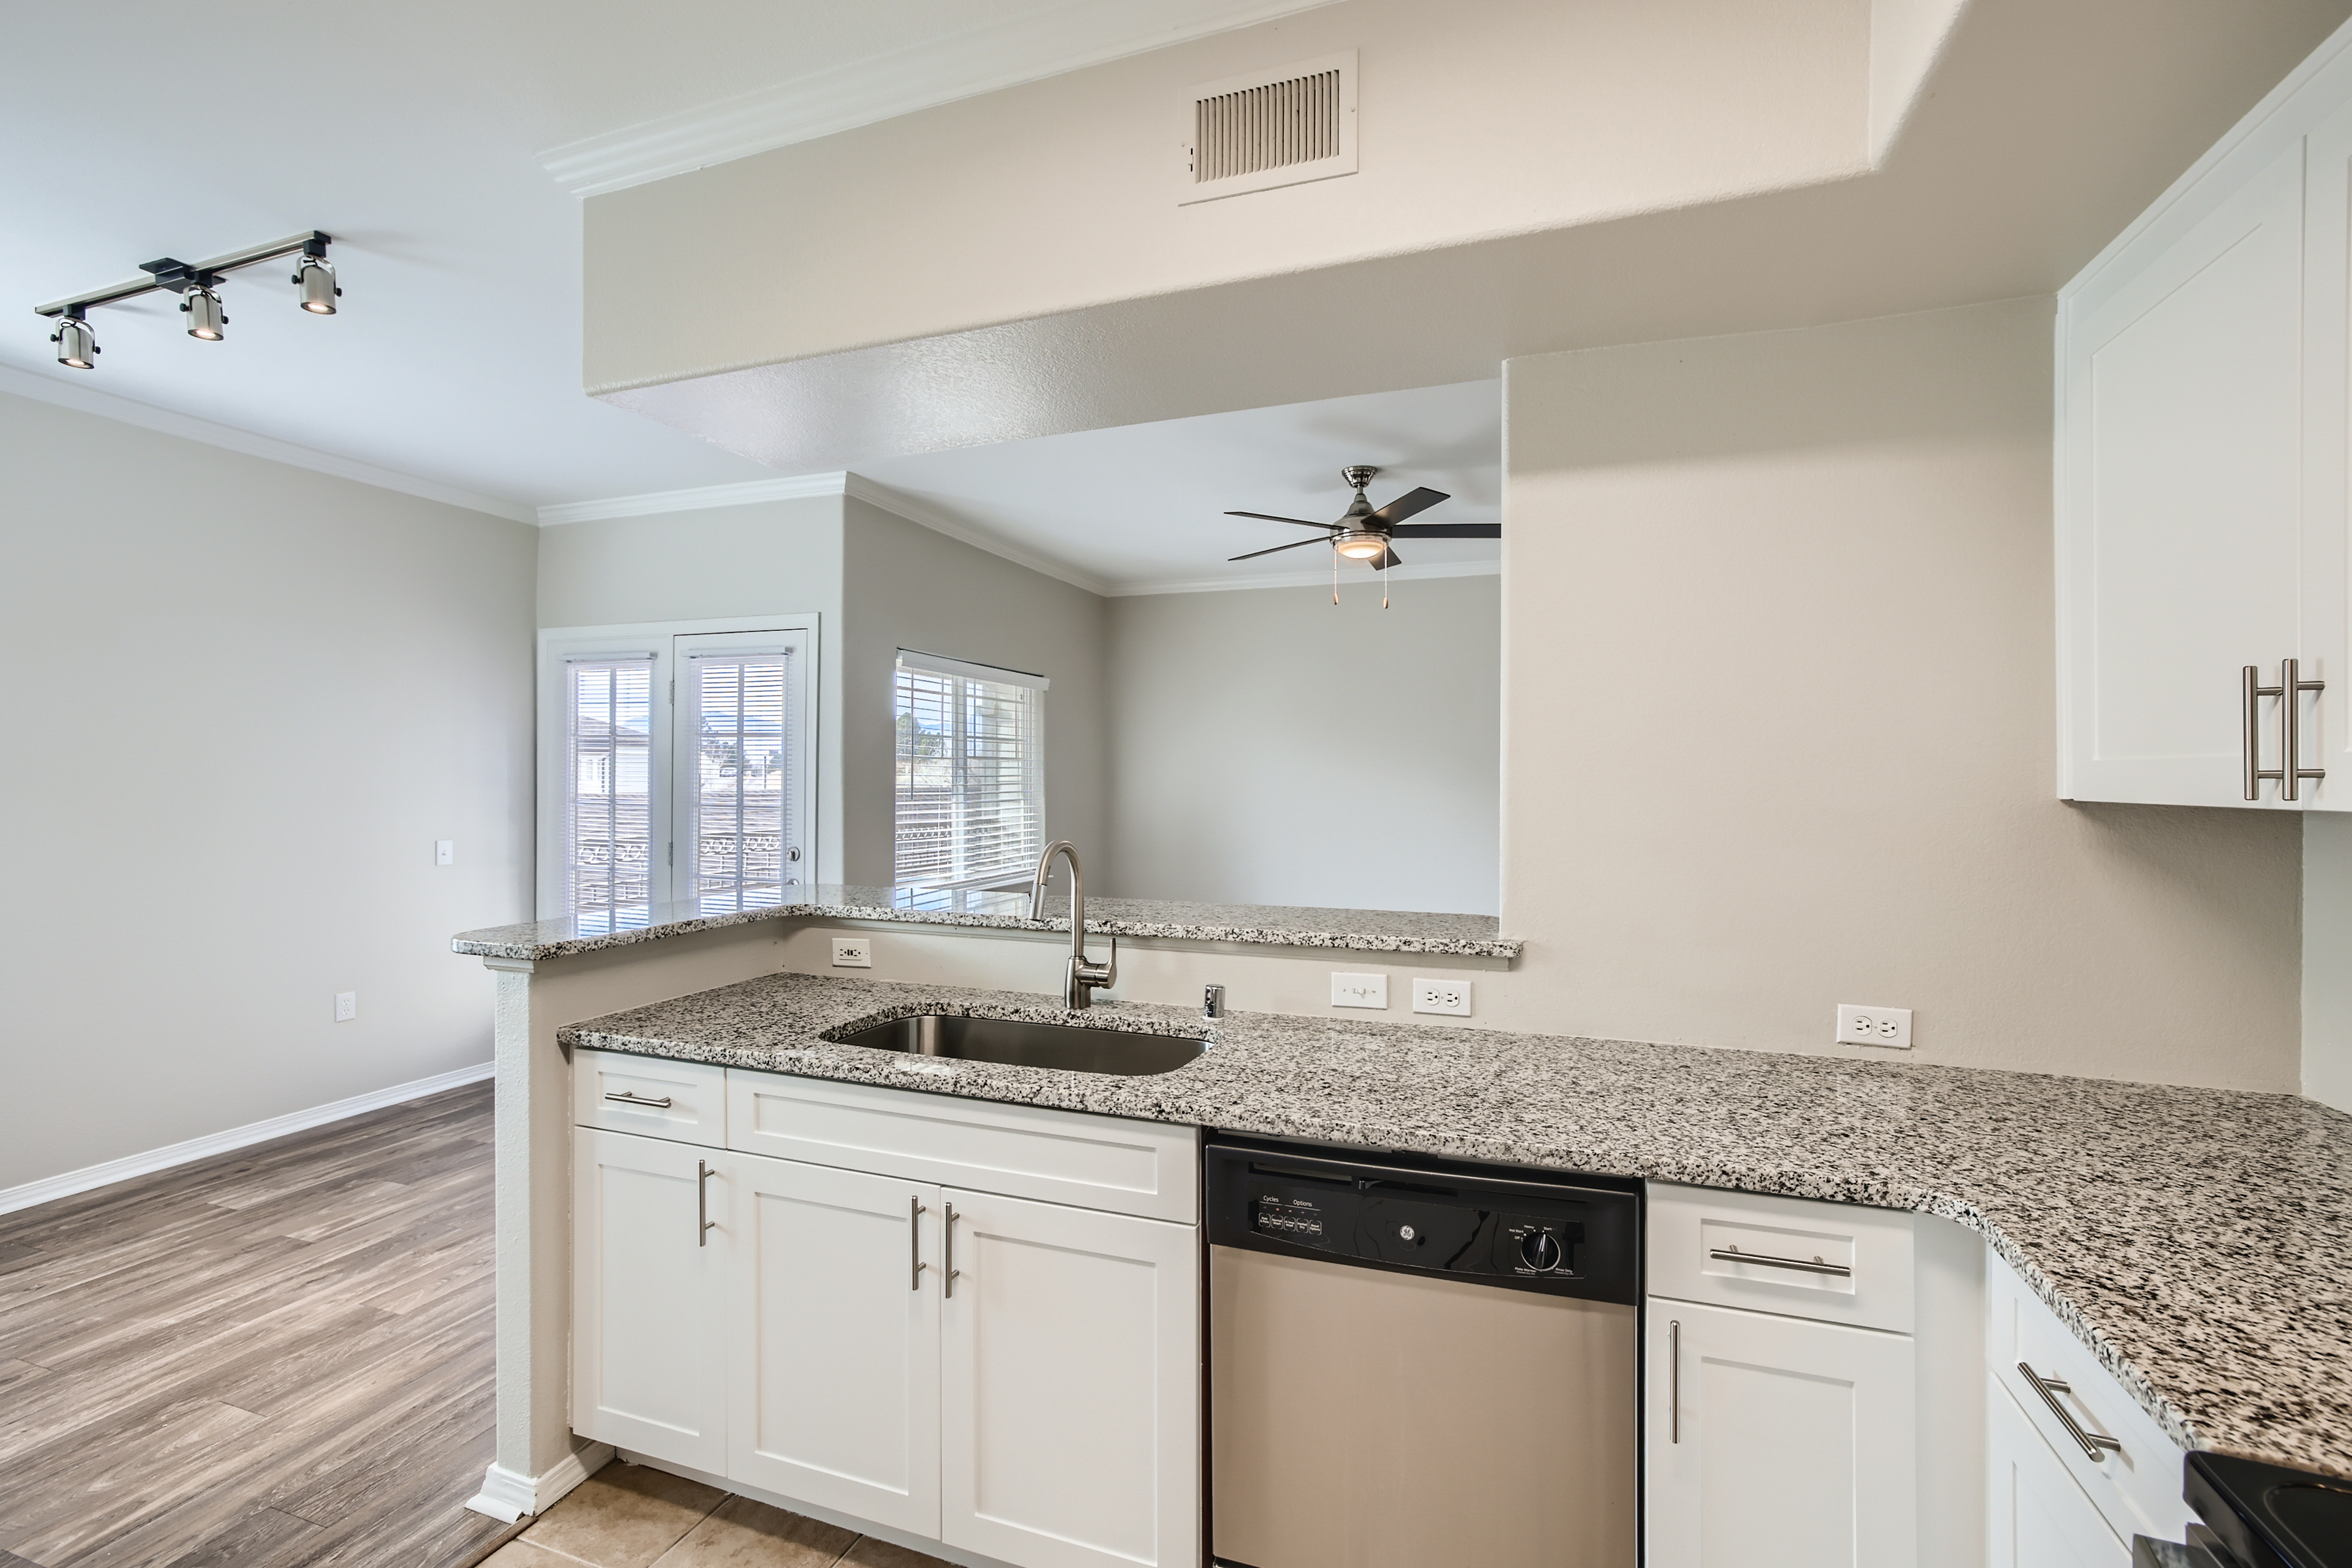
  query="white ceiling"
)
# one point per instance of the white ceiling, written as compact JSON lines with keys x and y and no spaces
{"x":412,"y":133}
{"x":1140,"y":507}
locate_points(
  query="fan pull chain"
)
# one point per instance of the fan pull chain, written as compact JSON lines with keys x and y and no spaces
{"x":1335,"y":577}
{"x":1384,"y":580}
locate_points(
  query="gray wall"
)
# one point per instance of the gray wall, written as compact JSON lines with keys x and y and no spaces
{"x":905,"y":585}
{"x":251,"y":698}
{"x":1268,"y":747}
{"x":1779,"y":695}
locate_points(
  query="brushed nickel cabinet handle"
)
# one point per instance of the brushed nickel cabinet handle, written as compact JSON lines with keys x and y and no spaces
{"x":947,"y":1254}
{"x":702,"y":1174}
{"x":915,"y":1243}
{"x":622,"y":1096}
{"x":2050,"y":1388}
{"x":1733,"y":1255}
{"x":1674,"y":1381}
{"x":2291,"y":687}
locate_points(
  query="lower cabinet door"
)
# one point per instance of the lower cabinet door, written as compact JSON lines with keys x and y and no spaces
{"x":649,"y":1369}
{"x":2041,"y":1517}
{"x":1070,"y":1385}
{"x":834,"y":1340}
{"x":1777,"y":1442}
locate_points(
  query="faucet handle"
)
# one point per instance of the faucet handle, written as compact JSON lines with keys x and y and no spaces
{"x":1213,"y":1001}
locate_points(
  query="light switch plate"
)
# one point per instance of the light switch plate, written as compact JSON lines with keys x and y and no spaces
{"x":1448,"y":996}
{"x":1888,"y":1026}
{"x":1359,"y":990}
{"x":852,"y":953}
{"x":445,"y":852}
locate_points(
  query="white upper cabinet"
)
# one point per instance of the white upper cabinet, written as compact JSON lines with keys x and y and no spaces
{"x":2201,"y":474}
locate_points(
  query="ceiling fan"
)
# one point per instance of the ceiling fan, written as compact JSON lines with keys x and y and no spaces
{"x":1364,"y":534}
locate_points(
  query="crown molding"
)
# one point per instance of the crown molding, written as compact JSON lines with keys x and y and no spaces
{"x":1303,"y":579}
{"x":699,"y":498}
{"x":1017,"y":49}
{"x":187,"y":426}
{"x":899,"y":504}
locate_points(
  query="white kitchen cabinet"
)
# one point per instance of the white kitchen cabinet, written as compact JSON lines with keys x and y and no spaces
{"x":1777,"y":1442}
{"x":2201,"y":448}
{"x":833,"y":1339}
{"x":1071,"y":1384}
{"x":649,"y":1373}
{"x":2040,"y":1518}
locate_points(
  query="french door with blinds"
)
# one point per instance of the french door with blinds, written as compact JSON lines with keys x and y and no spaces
{"x":675,"y":769}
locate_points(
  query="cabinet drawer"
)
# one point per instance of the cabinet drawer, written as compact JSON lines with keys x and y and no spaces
{"x":1108,"y":1162}
{"x":2135,"y":1486}
{"x":1840,"y":1263}
{"x":683,"y":1101}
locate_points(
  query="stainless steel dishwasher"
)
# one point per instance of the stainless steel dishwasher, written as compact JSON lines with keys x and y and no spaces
{"x":1420,"y":1361}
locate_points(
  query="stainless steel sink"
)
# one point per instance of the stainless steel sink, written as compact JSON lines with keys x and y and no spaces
{"x":1028,"y":1045}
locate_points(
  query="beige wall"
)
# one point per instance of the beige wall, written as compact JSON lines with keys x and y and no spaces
{"x":1779,"y":729}
{"x":249,"y":699}
{"x":908,"y":586}
{"x":1269,"y":747}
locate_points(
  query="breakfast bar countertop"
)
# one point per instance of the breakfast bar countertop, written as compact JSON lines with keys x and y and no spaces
{"x":2200,"y":1241}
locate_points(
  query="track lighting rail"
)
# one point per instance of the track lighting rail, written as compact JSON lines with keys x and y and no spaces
{"x":175,"y":276}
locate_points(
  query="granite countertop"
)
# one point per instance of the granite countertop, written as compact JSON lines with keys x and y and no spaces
{"x":2200,"y":1241}
{"x":1279,"y":925}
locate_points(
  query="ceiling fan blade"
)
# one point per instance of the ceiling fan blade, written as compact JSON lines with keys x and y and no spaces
{"x":1269,"y":517}
{"x":1411,"y":501}
{"x":1387,"y":561}
{"x":1449,"y":531}
{"x":1278,"y":549}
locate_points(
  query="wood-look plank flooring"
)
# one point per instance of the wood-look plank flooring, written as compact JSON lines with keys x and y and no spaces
{"x":278,"y":1357}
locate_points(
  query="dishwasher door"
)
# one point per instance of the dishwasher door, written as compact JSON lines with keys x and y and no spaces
{"x":1390,"y":1386}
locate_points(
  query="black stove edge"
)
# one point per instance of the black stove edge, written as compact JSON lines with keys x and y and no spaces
{"x":2236,"y":1498}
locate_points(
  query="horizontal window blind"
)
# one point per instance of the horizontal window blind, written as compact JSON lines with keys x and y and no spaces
{"x":608,"y":822}
{"x":744,"y":836}
{"x":970,"y":807}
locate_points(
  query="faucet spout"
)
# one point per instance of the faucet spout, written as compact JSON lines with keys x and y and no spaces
{"x":1083,"y":977}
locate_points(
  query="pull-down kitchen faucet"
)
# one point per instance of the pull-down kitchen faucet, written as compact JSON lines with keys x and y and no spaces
{"x":1084,"y":976}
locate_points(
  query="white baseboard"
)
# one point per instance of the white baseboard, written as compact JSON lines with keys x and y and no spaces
{"x":49,"y":1188}
{"x":507,"y":1497}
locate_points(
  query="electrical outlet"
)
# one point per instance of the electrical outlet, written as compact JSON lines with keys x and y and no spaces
{"x":1442,"y":996}
{"x":852,"y":953}
{"x":1360,"y":991}
{"x":347,"y":1006}
{"x":1889,"y":1026}
{"x":445,"y":852}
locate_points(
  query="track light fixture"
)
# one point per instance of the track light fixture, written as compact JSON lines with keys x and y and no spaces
{"x":197,"y":284}
{"x":77,"y":345}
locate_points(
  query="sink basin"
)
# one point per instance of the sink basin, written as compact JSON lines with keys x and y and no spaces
{"x":1022,"y":1044}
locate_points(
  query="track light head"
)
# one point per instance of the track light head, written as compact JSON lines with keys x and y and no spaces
{"x":77,"y":345}
{"x":315,"y":276}
{"x":206,"y":320}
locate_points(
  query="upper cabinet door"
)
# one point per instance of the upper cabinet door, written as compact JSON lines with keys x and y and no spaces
{"x":834,"y":1341}
{"x":649,"y":1372}
{"x":1070,"y":1385}
{"x":2182,"y":505}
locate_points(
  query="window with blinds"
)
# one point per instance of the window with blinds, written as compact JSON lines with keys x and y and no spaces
{"x":740,"y":716}
{"x":970,"y":772}
{"x":608,"y":807}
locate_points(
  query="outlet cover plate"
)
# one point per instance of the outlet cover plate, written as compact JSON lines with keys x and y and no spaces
{"x":852,"y":953}
{"x":347,"y":1006}
{"x":1359,"y":990}
{"x":1451,"y":997}
{"x":1887,"y":1027}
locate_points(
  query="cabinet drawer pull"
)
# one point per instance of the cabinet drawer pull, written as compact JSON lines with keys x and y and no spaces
{"x":702,"y":1174}
{"x":1674,"y":1381}
{"x":622,"y":1096}
{"x":915,"y":1243}
{"x":947,"y":1255}
{"x":2050,"y":1388}
{"x":1733,"y":1255}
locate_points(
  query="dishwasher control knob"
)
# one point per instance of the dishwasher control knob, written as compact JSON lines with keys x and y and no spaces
{"x":1539,"y":1250}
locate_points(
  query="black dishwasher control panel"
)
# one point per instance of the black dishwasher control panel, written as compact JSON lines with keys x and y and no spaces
{"x":1528,"y":1230}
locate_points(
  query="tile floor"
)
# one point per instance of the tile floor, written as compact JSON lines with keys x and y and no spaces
{"x":626,"y":1516}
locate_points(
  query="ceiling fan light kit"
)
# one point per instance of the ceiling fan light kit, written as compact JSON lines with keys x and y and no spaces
{"x":1365,"y":533}
{"x":197,"y":283}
